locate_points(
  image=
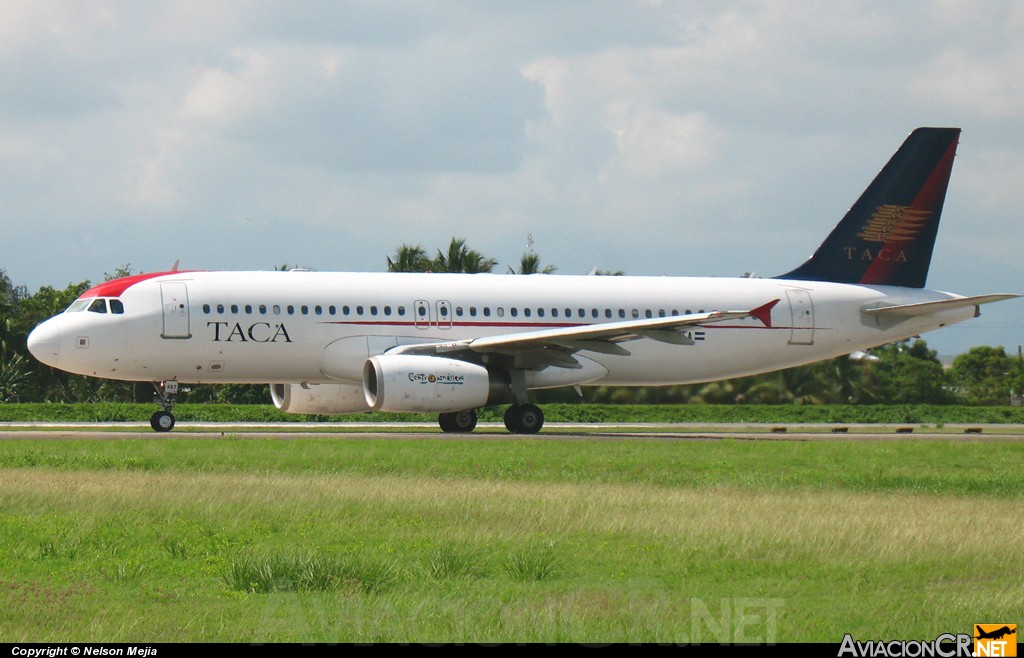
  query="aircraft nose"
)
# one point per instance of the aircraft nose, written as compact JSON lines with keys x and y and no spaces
{"x":44,"y":343}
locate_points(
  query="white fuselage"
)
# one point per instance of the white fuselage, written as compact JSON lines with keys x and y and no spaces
{"x":318,"y":327}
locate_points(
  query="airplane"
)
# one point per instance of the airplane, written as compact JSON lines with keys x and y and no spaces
{"x":996,"y":634}
{"x":338,"y":343}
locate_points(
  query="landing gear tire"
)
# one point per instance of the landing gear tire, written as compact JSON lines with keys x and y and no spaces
{"x":162,"y":421}
{"x":167,"y":393}
{"x":510,"y":419}
{"x":524,"y":419}
{"x":458,"y":421}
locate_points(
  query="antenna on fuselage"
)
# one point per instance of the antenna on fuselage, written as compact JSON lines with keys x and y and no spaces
{"x":174,"y":268}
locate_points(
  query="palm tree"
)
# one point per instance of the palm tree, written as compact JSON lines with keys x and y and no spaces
{"x":530,"y":264}
{"x":409,"y":258}
{"x":14,"y":375}
{"x":462,"y":259}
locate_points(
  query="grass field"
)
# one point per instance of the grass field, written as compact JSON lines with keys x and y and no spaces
{"x":331,"y":540}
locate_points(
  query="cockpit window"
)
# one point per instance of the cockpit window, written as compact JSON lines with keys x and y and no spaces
{"x":98,"y":306}
{"x":116,"y":306}
{"x":78,"y":305}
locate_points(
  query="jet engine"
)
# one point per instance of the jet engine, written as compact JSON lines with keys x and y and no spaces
{"x":410,"y":382}
{"x":326,"y":399}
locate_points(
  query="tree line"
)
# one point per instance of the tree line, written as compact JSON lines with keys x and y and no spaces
{"x":908,"y":372}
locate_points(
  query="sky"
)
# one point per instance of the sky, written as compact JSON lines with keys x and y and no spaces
{"x":655,"y":137}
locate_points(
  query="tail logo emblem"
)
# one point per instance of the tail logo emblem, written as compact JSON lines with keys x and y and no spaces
{"x":894,"y":223}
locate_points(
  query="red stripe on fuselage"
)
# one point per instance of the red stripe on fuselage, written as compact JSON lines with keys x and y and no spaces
{"x":527,"y":325}
{"x":116,"y":287}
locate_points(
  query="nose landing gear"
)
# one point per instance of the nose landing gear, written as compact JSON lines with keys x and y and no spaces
{"x":163,"y":421}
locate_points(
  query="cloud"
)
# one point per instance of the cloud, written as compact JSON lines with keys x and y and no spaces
{"x":398,"y":111}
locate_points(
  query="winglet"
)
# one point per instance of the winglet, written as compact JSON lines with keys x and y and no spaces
{"x":764,"y":313}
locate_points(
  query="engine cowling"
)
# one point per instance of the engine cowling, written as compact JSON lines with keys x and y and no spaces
{"x":410,"y":383}
{"x":325,"y":399}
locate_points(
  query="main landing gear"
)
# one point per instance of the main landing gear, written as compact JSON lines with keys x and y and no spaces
{"x":524,"y":419}
{"x":519,"y":419}
{"x":458,"y":421}
{"x":163,"y":421}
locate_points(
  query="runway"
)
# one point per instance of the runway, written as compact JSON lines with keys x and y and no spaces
{"x":186,"y":431}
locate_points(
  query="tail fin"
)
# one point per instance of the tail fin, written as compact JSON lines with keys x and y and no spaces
{"x":887,"y":237}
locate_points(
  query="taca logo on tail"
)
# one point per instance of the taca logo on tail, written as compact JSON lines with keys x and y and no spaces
{"x":888,"y":235}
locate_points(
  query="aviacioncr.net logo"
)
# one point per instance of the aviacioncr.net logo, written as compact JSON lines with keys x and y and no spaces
{"x":946,"y":645}
{"x":995,"y":640}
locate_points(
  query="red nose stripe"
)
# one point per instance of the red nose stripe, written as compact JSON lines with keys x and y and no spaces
{"x":117,"y":286}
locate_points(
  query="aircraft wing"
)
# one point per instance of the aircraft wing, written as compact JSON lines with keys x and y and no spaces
{"x":603,"y":337}
{"x":926,"y":308}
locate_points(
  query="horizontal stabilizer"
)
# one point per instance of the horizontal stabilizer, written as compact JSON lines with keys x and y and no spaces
{"x":927,"y":308}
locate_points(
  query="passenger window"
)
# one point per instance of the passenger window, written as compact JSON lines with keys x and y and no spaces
{"x":220,"y":309}
{"x":206,"y":309}
{"x":332,"y":310}
{"x":359,"y":310}
{"x":116,"y":306}
{"x":554,"y":312}
{"x":500,"y":311}
{"x":248,"y":309}
{"x":98,"y":306}
{"x":458,"y":311}
{"x":387,"y":310}
{"x":540,"y":312}
{"x":277,"y":309}
{"x":622,"y":313}
{"x":648,"y":313}
{"x":472,"y":311}
{"x":291,"y":310}
{"x":401,"y":310}
{"x":514,"y":311}
{"x":263,"y":309}
{"x":636,"y":314}
{"x":607,"y":313}
{"x":345,"y":309}
{"x":443,"y":311}
{"x":373,"y":310}
{"x":487,"y":311}
{"x":422,"y":310}
{"x":319,"y":310}
{"x":234,"y":309}
{"x":304,"y":309}
{"x":526,"y":312}
{"x":661,"y":312}
{"x":593,"y":312}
